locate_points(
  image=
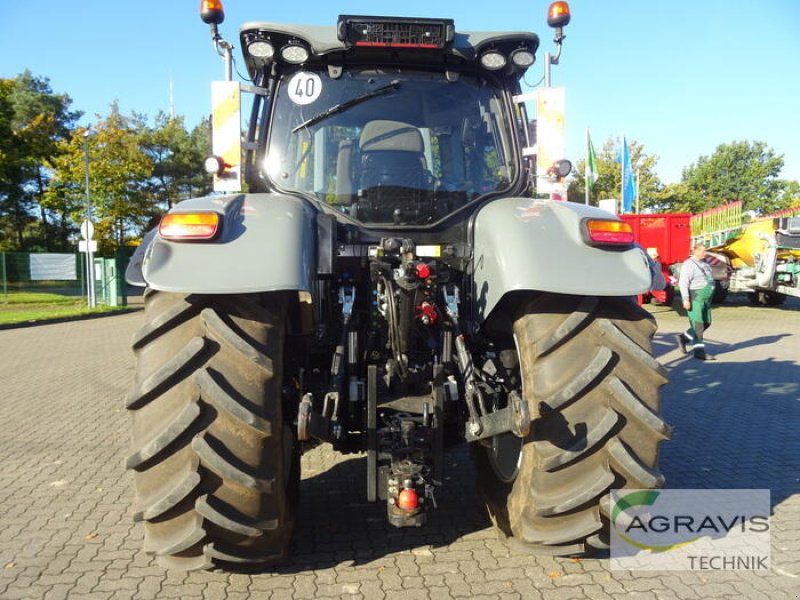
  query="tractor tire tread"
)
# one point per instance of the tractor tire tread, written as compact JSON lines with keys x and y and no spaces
{"x":592,"y":387}
{"x":215,"y":470}
{"x":166,"y":375}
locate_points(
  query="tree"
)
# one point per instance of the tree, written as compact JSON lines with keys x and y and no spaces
{"x":790,"y":195}
{"x":746,"y":171}
{"x":33,"y":120}
{"x":609,"y":179}
{"x":177,"y":157}
{"x":11,"y":209}
{"x":119,"y":170}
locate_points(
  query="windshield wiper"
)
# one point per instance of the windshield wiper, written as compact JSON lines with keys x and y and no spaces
{"x":343,"y":106}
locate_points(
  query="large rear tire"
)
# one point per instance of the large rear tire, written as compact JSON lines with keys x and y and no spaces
{"x":214,"y":462}
{"x":592,"y":387}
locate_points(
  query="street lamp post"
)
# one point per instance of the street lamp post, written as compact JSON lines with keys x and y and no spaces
{"x":88,"y":234}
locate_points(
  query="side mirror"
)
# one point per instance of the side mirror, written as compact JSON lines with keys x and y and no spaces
{"x":560,"y":169}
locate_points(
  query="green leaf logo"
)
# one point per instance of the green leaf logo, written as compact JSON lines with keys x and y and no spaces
{"x":641,"y":498}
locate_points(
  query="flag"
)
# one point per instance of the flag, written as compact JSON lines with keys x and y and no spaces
{"x":628,"y":186}
{"x":591,"y":163}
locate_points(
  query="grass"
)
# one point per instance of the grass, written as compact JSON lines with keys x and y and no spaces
{"x":24,"y":307}
{"x":27,"y":298}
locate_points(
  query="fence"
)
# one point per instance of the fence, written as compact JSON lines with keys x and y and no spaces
{"x":61,"y":274}
{"x":723,"y":218}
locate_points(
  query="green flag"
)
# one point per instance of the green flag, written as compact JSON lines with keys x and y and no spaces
{"x":591,"y":163}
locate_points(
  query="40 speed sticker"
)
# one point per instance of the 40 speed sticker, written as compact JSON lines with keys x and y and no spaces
{"x":304,"y":88}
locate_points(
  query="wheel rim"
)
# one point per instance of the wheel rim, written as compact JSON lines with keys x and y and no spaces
{"x":504,"y":455}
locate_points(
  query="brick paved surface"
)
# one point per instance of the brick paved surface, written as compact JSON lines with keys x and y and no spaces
{"x":65,"y":500}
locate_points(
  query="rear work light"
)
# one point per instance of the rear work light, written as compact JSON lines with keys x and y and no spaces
{"x":605,"y":232}
{"x":395,"y":32}
{"x":189,"y":226}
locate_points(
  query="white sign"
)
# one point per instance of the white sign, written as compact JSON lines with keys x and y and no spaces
{"x":608,"y":204}
{"x":685,"y":530}
{"x":87,"y":229}
{"x":305,"y":88}
{"x":82,"y":246}
{"x":52,"y":267}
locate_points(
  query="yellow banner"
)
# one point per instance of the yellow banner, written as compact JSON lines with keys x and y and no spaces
{"x":226,"y":134}
{"x":550,"y":140}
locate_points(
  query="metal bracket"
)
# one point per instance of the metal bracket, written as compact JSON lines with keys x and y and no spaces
{"x":372,"y":435}
{"x":451,"y":301}
{"x":311,"y":424}
{"x":254,"y":89}
{"x":516,"y":418}
{"x":347,"y":297}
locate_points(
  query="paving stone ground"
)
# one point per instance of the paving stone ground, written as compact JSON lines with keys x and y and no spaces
{"x":65,"y":499}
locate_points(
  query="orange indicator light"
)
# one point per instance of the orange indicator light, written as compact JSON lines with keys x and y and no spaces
{"x":189,"y":226}
{"x":558,"y":14}
{"x":609,"y":232}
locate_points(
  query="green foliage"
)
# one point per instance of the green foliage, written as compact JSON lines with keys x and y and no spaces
{"x":70,"y":307}
{"x":39,"y":298}
{"x":177,"y":156}
{"x":746,"y":171}
{"x":118,"y":170}
{"x":33,"y":120}
{"x":137,"y":171}
{"x":609,"y":181}
{"x":790,"y":194}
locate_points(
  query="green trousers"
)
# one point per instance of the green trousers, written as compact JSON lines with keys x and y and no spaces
{"x":700,"y":313}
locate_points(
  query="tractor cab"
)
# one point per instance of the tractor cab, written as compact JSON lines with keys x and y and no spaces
{"x":388,"y":121}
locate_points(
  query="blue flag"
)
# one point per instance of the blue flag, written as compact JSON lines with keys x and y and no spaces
{"x":628,"y":186}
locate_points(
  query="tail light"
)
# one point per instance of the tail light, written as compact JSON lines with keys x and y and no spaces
{"x":603,"y":232}
{"x":189,"y":226}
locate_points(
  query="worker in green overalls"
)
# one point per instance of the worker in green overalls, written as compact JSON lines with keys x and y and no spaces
{"x":696,"y":283}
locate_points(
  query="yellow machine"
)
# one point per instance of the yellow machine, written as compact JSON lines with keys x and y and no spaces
{"x":763,"y":257}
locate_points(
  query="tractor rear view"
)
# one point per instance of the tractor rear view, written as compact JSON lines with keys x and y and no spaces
{"x":388,"y":285}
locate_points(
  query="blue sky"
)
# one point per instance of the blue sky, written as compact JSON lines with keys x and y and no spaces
{"x":679,"y":76}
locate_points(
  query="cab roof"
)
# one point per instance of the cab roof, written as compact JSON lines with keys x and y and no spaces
{"x":324,"y":41}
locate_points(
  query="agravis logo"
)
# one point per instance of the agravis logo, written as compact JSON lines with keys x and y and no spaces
{"x":690,"y":529}
{"x":635,"y":499}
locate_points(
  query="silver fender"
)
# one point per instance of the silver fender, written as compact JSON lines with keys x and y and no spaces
{"x":525,"y":244}
{"x":267,"y":243}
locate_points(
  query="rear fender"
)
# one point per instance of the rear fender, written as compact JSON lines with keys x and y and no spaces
{"x":267,"y":243}
{"x":536,"y":245}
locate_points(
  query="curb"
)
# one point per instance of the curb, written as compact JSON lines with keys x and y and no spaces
{"x":23,"y":324}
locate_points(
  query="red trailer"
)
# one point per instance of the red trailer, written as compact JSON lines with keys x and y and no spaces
{"x":667,"y":238}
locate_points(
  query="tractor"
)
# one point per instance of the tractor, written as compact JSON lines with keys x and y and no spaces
{"x":377,"y":272}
